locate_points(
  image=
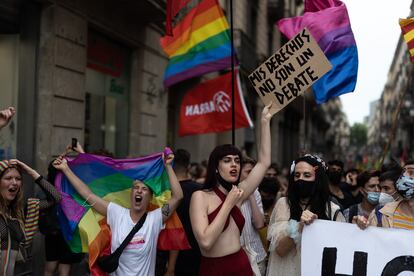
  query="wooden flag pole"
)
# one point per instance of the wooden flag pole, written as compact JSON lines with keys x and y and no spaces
{"x":233,"y":120}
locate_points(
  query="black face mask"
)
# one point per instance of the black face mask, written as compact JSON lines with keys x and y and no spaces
{"x":353,"y":187}
{"x":334,"y":177}
{"x":226,"y":184}
{"x":303,"y":188}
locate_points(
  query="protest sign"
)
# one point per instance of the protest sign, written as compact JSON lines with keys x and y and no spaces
{"x":290,"y":71}
{"x":334,"y":248}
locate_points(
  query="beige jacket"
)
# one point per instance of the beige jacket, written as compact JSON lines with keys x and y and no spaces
{"x":387,"y":215}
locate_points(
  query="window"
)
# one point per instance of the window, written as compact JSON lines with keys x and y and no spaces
{"x":107,"y":93}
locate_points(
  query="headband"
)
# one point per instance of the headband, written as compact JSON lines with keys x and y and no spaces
{"x":312,"y":157}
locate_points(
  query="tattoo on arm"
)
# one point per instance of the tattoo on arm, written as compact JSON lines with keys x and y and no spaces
{"x":165,"y":209}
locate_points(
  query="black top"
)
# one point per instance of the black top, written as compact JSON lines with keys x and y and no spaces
{"x":345,"y":202}
{"x":11,"y":226}
{"x":188,"y":261}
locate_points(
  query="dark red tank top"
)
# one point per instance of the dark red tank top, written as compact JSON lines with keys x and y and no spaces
{"x":235,"y":213}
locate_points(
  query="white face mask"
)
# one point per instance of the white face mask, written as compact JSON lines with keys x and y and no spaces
{"x":385,"y":198}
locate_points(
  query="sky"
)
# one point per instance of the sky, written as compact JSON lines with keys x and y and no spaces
{"x":376,"y":31}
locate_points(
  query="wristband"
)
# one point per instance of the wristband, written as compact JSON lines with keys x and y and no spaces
{"x":293,"y":231}
{"x":37,"y":180}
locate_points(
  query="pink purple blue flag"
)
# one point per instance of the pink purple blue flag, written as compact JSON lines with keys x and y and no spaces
{"x":328,"y":22}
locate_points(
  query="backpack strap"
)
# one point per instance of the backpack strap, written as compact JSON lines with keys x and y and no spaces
{"x":353,"y":211}
{"x":378,"y":214}
{"x":336,"y":214}
{"x":329,"y":210}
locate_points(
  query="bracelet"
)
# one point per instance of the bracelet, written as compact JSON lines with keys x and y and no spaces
{"x":85,"y":202}
{"x":293,"y":231}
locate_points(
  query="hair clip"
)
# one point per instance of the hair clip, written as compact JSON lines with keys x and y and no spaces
{"x":292,"y":167}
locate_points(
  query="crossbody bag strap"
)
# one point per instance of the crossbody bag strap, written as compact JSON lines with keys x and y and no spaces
{"x":131,"y":234}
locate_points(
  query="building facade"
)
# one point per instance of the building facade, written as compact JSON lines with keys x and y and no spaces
{"x":390,"y":128}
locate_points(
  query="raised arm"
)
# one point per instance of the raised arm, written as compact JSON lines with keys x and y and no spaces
{"x":257,"y":210}
{"x":6,"y":115}
{"x":264,"y":156}
{"x":52,"y":194}
{"x":97,"y":203}
{"x":70,"y":149}
{"x":207,"y":234}
{"x":176,"y":191}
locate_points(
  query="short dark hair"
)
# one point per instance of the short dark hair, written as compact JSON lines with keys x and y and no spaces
{"x":390,"y":175}
{"x":181,"y":159}
{"x":269,"y":185}
{"x":336,"y":162}
{"x":391,"y":166}
{"x":365,"y":176}
{"x":275,"y":167}
{"x":409,"y":162}
{"x":248,"y":160}
{"x":352,"y":170}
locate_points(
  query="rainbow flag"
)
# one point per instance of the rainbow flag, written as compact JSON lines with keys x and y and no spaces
{"x":328,"y":22}
{"x":407,"y":28}
{"x":201,"y":44}
{"x":111,"y":179}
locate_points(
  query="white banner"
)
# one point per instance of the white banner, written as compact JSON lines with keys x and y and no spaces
{"x":334,"y":248}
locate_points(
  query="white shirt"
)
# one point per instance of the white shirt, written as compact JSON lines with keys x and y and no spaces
{"x":138,"y":258}
{"x":249,"y":233}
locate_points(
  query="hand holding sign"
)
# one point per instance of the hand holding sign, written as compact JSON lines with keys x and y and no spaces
{"x":290,"y":71}
{"x":361,"y":221}
{"x":266,"y":113}
{"x":308,"y":217}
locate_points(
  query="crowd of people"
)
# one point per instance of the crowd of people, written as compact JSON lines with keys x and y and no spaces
{"x":241,"y":216}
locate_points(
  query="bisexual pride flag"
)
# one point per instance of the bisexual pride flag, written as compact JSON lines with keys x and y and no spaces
{"x":111,"y":179}
{"x":328,"y":22}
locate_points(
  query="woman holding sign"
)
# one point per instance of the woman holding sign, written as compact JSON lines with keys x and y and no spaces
{"x":307,"y":200}
{"x":215,"y":215}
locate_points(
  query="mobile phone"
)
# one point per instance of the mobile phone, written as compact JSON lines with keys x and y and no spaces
{"x":74,"y":143}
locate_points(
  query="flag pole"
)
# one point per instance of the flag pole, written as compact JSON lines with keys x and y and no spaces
{"x":233,"y":123}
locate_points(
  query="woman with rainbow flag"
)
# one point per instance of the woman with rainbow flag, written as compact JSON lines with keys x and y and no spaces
{"x":215,"y":215}
{"x":139,"y":256}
